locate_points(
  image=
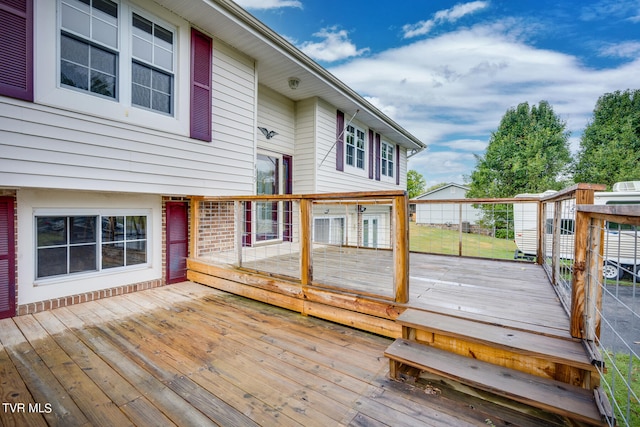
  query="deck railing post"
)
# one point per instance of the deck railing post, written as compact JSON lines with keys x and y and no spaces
{"x":238,"y":225}
{"x":594,"y":268}
{"x":460,"y":229}
{"x":578,"y":291}
{"x":555,"y":242}
{"x":195,"y":226}
{"x":540,"y":253}
{"x":306,"y":262}
{"x":401,"y":248}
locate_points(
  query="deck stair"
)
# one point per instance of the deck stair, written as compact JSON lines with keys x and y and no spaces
{"x":544,"y":372}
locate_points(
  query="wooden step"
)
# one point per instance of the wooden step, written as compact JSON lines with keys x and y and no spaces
{"x":562,"y":351}
{"x":554,"y":396}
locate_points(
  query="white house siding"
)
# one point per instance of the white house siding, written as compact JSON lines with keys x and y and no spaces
{"x":331,"y":180}
{"x":446,"y":213}
{"x":276,"y":112}
{"x":65,"y":202}
{"x":68,"y":139}
{"x":304,"y":158}
{"x":234,"y":117}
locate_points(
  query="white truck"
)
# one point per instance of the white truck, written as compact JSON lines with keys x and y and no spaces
{"x":622,"y":242}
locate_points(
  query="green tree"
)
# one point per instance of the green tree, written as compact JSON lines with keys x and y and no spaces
{"x":415,"y":183}
{"x":529,"y":152}
{"x":610,"y":145}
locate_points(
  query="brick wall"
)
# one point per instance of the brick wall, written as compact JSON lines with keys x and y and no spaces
{"x":216,"y":227}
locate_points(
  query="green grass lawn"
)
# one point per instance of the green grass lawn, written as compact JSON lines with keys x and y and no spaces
{"x":435,"y":240}
{"x":627,"y":407}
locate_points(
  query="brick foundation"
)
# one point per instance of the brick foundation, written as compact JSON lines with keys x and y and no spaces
{"x":51,"y":304}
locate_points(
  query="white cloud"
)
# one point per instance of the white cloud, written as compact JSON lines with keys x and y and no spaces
{"x":622,"y":50}
{"x":451,"y":91}
{"x":268,"y":4}
{"x":447,"y":15}
{"x":335,"y":46}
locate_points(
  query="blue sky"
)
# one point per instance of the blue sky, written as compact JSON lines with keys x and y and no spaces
{"x":448,"y":71}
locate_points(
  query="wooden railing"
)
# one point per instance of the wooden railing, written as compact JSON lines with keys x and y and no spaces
{"x":559,"y":240}
{"x":479,"y":227}
{"x":356,"y":242}
{"x":605,"y":313}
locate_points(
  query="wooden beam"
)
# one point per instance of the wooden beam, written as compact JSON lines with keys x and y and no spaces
{"x":401,"y":248}
{"x":195,"y":225}
{"x":542,"y":215}
{"x":306,"y":261}
{"x":578,"y":291}
{"x":593,"y":289}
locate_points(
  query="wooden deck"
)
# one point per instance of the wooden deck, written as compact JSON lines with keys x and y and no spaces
{"x":516,"y":295}
{"x":188,"y":354}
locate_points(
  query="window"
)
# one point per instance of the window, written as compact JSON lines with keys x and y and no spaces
{"x":387,"y":159}
{"x":86,"y":243}
{"x":88,"y":46}
{"x":92,"y":56}
{"x":66,"y":245}
{"x":355,"y":142}
{"x":152,"y":65}
{"x":124,"y":241}
{"x":329,"y":230}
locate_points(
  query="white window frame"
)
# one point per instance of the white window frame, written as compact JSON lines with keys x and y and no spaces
{"x":125,"y":57}
{"x":280,"y":213}
{"x":99,"y":213}
{"x":351,"y":133}
{"x":90,"y":40}
{"x":387,"y":167}
{"x":152,"y":65}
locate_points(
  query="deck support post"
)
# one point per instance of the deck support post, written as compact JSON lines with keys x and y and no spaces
{"x":578,"y":290}
{"x":239,"y":222}
{"x":194,"y":226}
{"x":306,"y":262}
{"x":542,"y":214}
{"x":401,"y":248}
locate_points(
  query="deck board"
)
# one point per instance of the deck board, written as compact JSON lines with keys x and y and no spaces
{"x":187,"y":354}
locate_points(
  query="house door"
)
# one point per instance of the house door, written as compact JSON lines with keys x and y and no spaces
{"x":268,"y":183}
{"x":370,"y":232}
{"x":7,"y":259}
{"x":177,"y":241}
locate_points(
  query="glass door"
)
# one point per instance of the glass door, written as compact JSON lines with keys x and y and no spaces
{"x":370,"y":232}
{"x":267,"y":217}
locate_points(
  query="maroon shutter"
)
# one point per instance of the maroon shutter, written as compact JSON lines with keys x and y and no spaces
{"x":378,"y":153}
{"x":246,"y":235}
{"x":16,"y":49}
{"x":201,"y":60}
{"x":7,"y":259}
{"x":397,"y":165}
{"x":340,"y":141}
{"x":177,"y":242}
{"x":288,"y":206}
{"x":371,"y":154}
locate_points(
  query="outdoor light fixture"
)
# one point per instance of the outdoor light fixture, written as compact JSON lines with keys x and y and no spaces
{"x":268,"y":133}
{"x":362,"y":208}
{"x":294,"y":82}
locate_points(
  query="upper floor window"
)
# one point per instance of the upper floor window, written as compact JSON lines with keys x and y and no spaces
{"x":152,"y":65}
{"x":355,"y":143}
{"x":89,"y":46}
{"x":92,"y":59}
{"x":387,"y":159}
